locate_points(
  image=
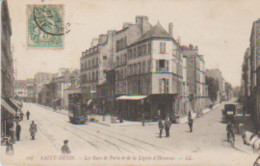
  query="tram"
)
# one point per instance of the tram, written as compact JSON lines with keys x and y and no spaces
{"x":77,"y":114}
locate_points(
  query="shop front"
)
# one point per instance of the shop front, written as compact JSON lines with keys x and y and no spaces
{"x":8,"y":114}
{"x":131,"y":107}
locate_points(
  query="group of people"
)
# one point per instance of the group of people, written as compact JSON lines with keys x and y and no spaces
{"x":167,"y":125}
{"x":16,"y":131}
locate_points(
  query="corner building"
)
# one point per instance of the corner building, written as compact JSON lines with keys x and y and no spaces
{"x":153,"y":76}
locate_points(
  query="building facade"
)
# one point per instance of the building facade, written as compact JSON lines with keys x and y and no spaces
{"x":8,"y":106}
{"x":254,"y":67}
{"x":40,"y":79}
{"x":195,"y":78}
{"x":93,"y":66}
{"x":217,"y":75}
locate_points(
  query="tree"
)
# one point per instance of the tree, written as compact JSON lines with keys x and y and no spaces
{"x":213,"y":88}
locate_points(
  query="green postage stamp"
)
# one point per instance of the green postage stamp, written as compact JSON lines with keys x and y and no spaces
{"x":45,"y":26}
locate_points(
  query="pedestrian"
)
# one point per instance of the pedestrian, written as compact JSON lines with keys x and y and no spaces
{"x":143,"y":119}
{"x":235,"y":123}
{"x":28,"y":114}
{"x":65,"y":148}
{"x":21,"y":114}
{"x":190,"y":124}
{"x":12,"y":134}
{"x":18,"y":131}
{"x":230,"y":131}
{"x":161,"y":126}
{"x":167,"y":126}
{"x":33,"y":130}
{"x":9,"y":148}
{"x":189,"y":115}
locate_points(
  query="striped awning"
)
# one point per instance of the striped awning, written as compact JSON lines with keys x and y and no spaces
{"x":7,"y":107}
{"x":131,"y":97}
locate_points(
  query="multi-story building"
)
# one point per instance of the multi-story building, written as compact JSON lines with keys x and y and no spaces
{"x":246,"y":81}
{"x":143,"y":61}
{"x":217,"y":75}
{"x":24,"y":90}
{"x":40,"y":79}
{"x":124,"y":38}
{"x":254,"y":70}
{"x":186,"y":98}
{"x":20,"y":89}
{"x":195,"y":77}
{"x":8,"y":106}
{"x":63,"y":81}
{"x":154,"y":66}
{"x":94,"y":64}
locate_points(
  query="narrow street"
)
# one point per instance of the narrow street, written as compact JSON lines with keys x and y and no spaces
{"x":92,"y":139}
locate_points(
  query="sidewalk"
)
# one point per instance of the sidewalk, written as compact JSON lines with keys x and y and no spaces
{"x":205,"y":111}
{"x":108,"y":121}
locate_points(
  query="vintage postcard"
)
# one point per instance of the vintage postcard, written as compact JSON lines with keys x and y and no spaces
{"x":144,"y":83}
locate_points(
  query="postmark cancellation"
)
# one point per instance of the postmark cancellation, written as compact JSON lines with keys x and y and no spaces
{"x":45,"y":26}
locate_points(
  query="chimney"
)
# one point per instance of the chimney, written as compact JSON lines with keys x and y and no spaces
{"x":143,"y":23}
{"x":171,"y":29}
{"x":127,"y":24}
{"x":94,"y":42}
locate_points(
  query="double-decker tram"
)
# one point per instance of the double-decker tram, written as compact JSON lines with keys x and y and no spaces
{"x":77,"y":114}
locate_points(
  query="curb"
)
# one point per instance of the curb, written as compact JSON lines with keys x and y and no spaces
{"x":122,"y":124}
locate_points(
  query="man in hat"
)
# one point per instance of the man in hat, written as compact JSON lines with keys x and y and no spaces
{"x":18,"y":131}
{"x":65,"y":148}
{"x":33,"y":130}
{"x":28,"y":114}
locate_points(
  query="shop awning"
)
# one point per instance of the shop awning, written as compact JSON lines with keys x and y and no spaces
{"x":14,"y":103}
{"x":8,"y":107}
{"x":131,"y":97}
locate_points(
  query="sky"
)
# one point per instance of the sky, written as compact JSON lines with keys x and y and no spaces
{"x":220,"y":28}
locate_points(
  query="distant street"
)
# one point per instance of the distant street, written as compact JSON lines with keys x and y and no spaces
{"x":95,"y":139}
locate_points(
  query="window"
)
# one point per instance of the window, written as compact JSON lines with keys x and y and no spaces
{"x":148,"y":66}
{"x":162,"y":47}
{"x":164,"y":85}
{"x":125,"y":58}
{"x":117,"y":61}
{"x":130,"y":53}
{"x":145,"y":50}
{"x":93,"y":75}
{"x":124,"y":42}
{"x":139,"y":50}
{"x":96,"y":74}
{"x":134,"y":52}
{"x":104,"y":57}
{"x":116,"y":75}
{"x":149,"y":49}
{"x":144,"y":67}
{"x":125,"y":73}
{"x":162,"y":65}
